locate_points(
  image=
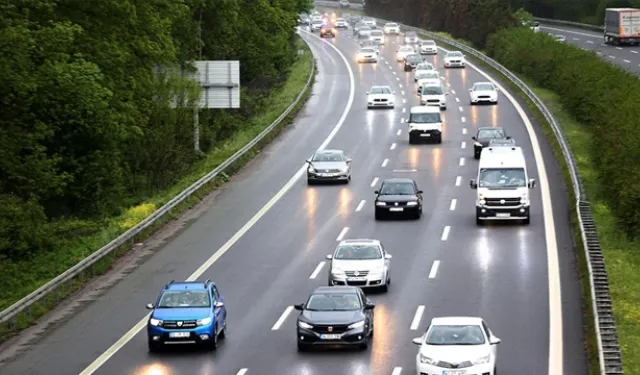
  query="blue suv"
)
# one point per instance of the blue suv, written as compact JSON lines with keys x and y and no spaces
{"x":187,"y":312}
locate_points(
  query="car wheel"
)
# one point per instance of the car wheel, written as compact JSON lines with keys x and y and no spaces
{"x":223,"y":333}
{"x":213,"y":344}
{"x":364,"y":345}
{"x":444,"y":108}
{"x":302,"y":347}
{"x":153,"y":347}
{"x":310,"y":182}
{"x":476,"y":155}
{"x":526,"y":221}
{"x":384,"y":288}
{"x":440,"y":139}
{"x":411,"y":140}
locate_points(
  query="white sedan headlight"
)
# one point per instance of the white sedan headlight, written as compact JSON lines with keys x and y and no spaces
{"x":482,"y":202}
{"x":482,"y":360}
{"x":381,"y":203}
{"x":311,"y":169}
{"x":337,"y":272}
{"x":359,"y":324}
{"x":427,"y":360}
{"x":344,"y":169}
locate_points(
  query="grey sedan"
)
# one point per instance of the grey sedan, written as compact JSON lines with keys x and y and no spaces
{"x":329,"y":165}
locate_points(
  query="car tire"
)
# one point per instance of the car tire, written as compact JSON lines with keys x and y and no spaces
{"x":153,"y":347}
{"x":310,"y":182}
{"x":476,"y":155}
{"x":223,"y":333}
{"x":411,"y":140}
{"x":364,"y":345}
{"x":302,"y":347}
{"x":439,"y":139}
{"x":213,"y":344}
{"x":444,"y":108}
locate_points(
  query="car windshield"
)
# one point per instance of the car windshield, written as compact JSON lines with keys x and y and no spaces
{"x":502,"y":178}
{"x":397,"y":188}
{"x":410,"y":34}
{"x":376,"y":33}
{"x":184,"y":298}
{"x":414,"y":59}
{"x":455,"y":335}
{"x":490,"y":133}
{"x":365,"y":28}
{"x":380,"y":90}
{"x":454,"y":54}
{"x":340,"y":20}
{"x":429,"y":43}
{"x":391,"y":25}
{"x":317,"y":22}
{"x":328,"y":156}
{"x":406,"y":49}
{"x":368,"y":50}
{"x":483,"y":87}
{"x":429,"y":75}
{"x":358,"y":252}
{"x":425,"y":118}
{"x":333,"y":302}
{"x":432,"y":90}
{"x":424,"y":66}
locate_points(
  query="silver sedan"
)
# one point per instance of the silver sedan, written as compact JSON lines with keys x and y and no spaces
{"x":329,"y":165}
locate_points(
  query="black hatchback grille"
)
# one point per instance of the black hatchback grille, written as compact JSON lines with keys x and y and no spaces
{"x":498,"y":201}
{"x":178,"y":324}
{"x":334,"y":329}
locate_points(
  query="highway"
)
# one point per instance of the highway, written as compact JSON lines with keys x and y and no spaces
{"x":264,"y":236}
{"x":627,"y":57}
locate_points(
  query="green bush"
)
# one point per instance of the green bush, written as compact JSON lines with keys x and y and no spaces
{"x":599,"y":95}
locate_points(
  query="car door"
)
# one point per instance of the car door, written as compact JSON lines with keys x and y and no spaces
{"x":489,"y":334}
{"x":219,"y":312}
{"x":368,"y":313}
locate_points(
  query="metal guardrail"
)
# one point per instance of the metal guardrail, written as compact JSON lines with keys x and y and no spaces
{"x":610,"y":355}
{"x":65,"y":280}
{"x":579,"y":25}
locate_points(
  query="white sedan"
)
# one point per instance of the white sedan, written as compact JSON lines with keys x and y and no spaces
{"x":363,"y":263}
{"x":341,"y":23}
{"x":483,"y":92}
{"x":454,"y":59}
{"x":457,"y":342}
{"x":428,"y":78}
{"x":428,"y":47}
{"x":422,"y":68}
{"x":368,"y":54}
{"x":403,"y":52}
{"x":391,"y":28}
{"x":380,"y":96}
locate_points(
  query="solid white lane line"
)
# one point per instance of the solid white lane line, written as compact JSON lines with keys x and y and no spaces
{"x":315,"y":272}
{"x":463,"y":119}
{"x":461,"y":161}
{"x":342,"y":233}
{"x":434,"y":269}
{"x":452,"y":206}
{"x":457,"y":100}
{"x":589,"y":41}
{"x":445,"y":233}
{"x":460,"y":108}
{"x":374,"y":182}
{"x":283,"y":317}
{"x":416,"y":318}
{"x":399,"y":132}
{"x":242,"y":371}
{"x":463,"y":145}
{"x":393,"y":146}
{"x":458,"y":180}
{"x":464,"y":130}
{"x":385,"y":162}
{"x":130,"y":334}
{"x":396,"y":371}
{"x":575,"y":39}
{"x":360,"y":205}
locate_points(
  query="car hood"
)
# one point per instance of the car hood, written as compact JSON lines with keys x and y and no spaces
{"x":432,"y":96}
{"x":425,"y":81}
{"x":357,"y":265}
{"x":429,"y":46}
{"x":503,"y":192}
{"x":422,"y":71}
{"x":328,"y":164}
{"x":332,"y":317}
{"x":454,"y":353}
{"x":453,"y":58}
{"x":483,"y":92}
{"x":379,"y":96}
{"x":178,"y":313}
{"x":397,"y":198}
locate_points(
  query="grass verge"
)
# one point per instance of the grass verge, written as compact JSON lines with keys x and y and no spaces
{"x":580,"y":143}
{"x":21,"y":278}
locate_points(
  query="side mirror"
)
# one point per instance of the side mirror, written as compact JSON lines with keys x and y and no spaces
{"x":299,"y":306}
{"x":417,"y":341}
{"x":508,"y":137}
{"x":532,"y":183}
{"x":387,"y":256}
{"x":308,"y":161}
{"x":470,"y":90}
{"x":348,"y":160}
{"x":150,"y":306}
{"x":329,"y":256}
{"x":369,"y":306}
{"x":420,"y":191}
{"x":367,"y":92}
{"x":494,"y":340}
{"x":218,"y":304}
{"x":474,"y":137}
{"x":393,"y":92}
{"x":473,"y":184}
{"x":377,"y":192}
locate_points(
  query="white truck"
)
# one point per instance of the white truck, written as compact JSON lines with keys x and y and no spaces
{"x":502,"y":185}
{"x":425,"y":124}
{"x":622,"y":26}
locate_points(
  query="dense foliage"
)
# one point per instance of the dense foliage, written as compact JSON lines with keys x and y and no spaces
{"x":588,"y":11}
{"x":86,"y":119}
{"x":472,"y":20}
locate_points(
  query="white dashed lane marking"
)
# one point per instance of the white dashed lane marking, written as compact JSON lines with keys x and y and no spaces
{"x":452,"y":206}
{"x":416,"y":318}
{"x":445,"y":233}
{"x":462,"y":161}
{"x":360,"y":205}
{"x":242,"y":371}
{"x":385,"y":162}
{"x":463,"y":145}
{"x":458,"y":180}
{"x":343,"y":232}
{"x":374,"y":182}
{"x":464,"y":130}
{"x":283,"y":317}
{"x":393,"y":146}
{"x":315,"y":272}
{"x":434,"y":269}
{"x":399,"y":132}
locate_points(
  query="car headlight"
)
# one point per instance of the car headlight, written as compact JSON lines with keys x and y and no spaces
{"x":337,"y":272}
{"x":311,"y":169}
{"x":482,"y":202}
{"x":412,"y":203}
{"x":155,"y":322}
{"x":304,"y":325}
{"x":344,"y":169}
{"x":204,"y":322}
{"x":477,"y":144}
{"x":427,"y":360}
{"x":524,"y":201}
{"x":381,"y":203}
{"x":481,"y":360}
{"x":359,"y":324}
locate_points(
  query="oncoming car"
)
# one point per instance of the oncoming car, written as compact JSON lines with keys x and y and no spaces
{"x":454,"y":59}
{"x":428,"y":47}
{"x":329,"y":165}
{"x":403,"y":52}
{"x":483,"y":92}
{"x":412,"y":61}
{"x":391,"y":28}
{"x":398,"y":196}
{"x":361,"y":262}
{"x":327,"y":29}
{"x":380,"y":96}
{"x":433,"y":95}
{"x":368,"y":54}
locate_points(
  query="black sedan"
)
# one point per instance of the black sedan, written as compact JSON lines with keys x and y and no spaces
{"x":335,"y":315}
{"x":412,"y":61}
{"x":484,"y":136}
{"x":399,"y":196}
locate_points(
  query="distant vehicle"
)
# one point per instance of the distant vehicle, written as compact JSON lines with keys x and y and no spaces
{"x":329,"y":165}
{"x":370,"y":22}
{"x":425,"y":124}
{"x":433,"y":95}
{"x":327,"y":29}
{"x":422,"y":68}
{"x":454,"y":59}
{"x":357,"y":26}
{"x":391,"y":28}
{"x":622,"y":26}
{"x":367,"y":54}
{"x":484,"y":136}
{"x":508,"y":142}
{"x":316,"y":25}
{"x":412,"y":61}
{"x":483,"y":92}
{"x":363,"y":263}
{"x":560,"y":38}
{"x":452,"y":342}
{"x":398,"y":196}
{"x":410,"y":37}
{"x":336,"y":315}
{"x":428,"y":78}
{"x":535,"y":27}
{"x":341,"y":23}
{"x":187,"y":312}
{"x":344,"y":4}
{"x":403,"y":52}
{"x":304,"y":20}
{"x":428,"y":47}
{"x":377,"y":36}
{"x":380,"y":96}
{"x":364,"y":32}
{"x":370,"y":43}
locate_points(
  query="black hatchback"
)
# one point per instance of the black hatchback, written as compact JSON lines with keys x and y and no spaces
{"x":486,"y":135}
{"x":398,"y":196}
{"x":412,"y":61}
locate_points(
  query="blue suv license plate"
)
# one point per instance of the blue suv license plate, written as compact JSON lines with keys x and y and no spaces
{"x":179,"y":335}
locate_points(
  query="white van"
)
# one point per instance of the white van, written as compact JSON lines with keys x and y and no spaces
{"x":503,"y":185}
{"x":425,"y":124}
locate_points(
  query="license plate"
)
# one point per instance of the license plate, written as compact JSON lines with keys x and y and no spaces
{"x":356,"y":279}
{"x":396,"y":209}
{"x":330,"y":337}
{"x":503,"y":215}
{"x":177,"y":335}
{"x":425,"y":135}
{"x":454,"y":372}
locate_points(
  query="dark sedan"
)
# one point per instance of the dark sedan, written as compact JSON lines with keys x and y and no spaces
{"x":412,"y":61}
{"x":484,"y":136}
{"x":335,"y":315}
{"x":399,"y":196}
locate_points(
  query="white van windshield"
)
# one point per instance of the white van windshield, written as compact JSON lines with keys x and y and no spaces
{"x":425,"y":118}
{"x":502,"y":178}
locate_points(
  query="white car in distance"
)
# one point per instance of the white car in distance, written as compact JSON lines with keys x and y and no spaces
{"x":433,"y":95}
{"x":367,"y":54}
{"x":428,"y":78}
{"x":370,"y":43}
{"x":454,"y":59}
{"x":380,"y":96}
{"x":560,"y":38}
{"x":391,"y":28}
{"x":464,"y":343}
{"x":403,"y":52}
{"x":422,"y":68}
{"x":377,"y":36}
{"x":370,"y":22}
{"x":485,"y":92}
{"x":360,"y":262}
{"x":428,"y":47}
{"x":341,"y":23}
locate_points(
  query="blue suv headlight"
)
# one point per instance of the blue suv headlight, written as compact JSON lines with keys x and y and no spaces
{"x":204,"y":322}
{"x":155,"y":322}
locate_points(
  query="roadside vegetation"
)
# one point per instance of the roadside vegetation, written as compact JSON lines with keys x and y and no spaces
{"x":96,"y":129}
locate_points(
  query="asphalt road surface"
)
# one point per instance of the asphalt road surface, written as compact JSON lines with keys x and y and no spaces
{"x":443,"y":262}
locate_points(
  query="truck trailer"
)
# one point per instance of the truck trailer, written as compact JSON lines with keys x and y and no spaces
{"x":622,"y":26}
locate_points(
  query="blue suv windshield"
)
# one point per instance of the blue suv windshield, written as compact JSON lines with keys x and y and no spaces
{"x":184,"y":298}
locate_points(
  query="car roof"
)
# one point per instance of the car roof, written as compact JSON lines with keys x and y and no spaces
{"x":456,"y":321}
{"x":329,"y":151}
{"x":188,"y":285}
{"x":425,"y":109}
{"x":398,"y":180}
{"x":380,"y":87}
{"x":452,"y":52}
{"x":359,"y":241}
{"x":492,"y":127}
{"x":335,"y":289}
{"x":484,"y":83}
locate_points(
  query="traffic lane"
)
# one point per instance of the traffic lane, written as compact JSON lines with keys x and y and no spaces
{"x":233,"y":205}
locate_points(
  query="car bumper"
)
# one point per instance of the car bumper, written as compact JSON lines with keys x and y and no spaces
{"x":484,"y":99}
{"x":454,"y":65}
{"x":392,"y":31}
{"x":323,"y":34}
{"x":393,"y":210}
{"x":328,"y":176}
{"x":367,"y":59}
{"x":425,"y":134}
{"x":520,"y":212}
{"x":440,"y":104}
{"x":341,"y":26}
{"x":424,"y":369}
{"x":380,"y":104}
{"x":351,"y":337}
{"x":429,"y":51}
{"x":368,"y":282}
{"x":197,"y":335}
